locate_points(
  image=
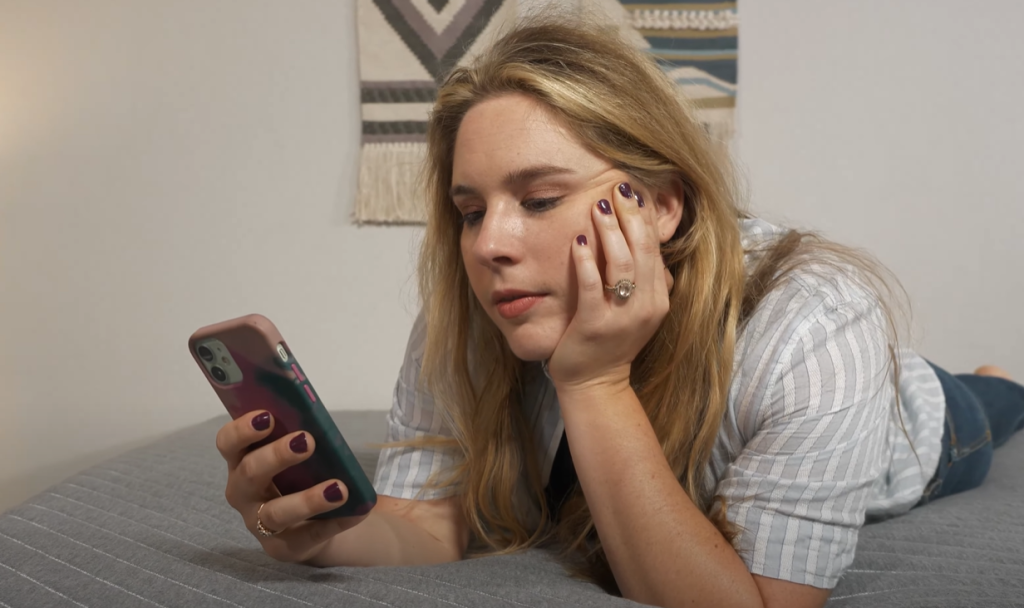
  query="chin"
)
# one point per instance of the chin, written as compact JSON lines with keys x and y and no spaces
{"x":531,"y":341}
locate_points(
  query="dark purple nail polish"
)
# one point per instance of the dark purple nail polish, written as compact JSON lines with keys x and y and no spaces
{"x":625,"y":190}
{"x":639,"y":199}
{"x":581,"y":239}
{"x":604,"y":206}
{"x":261,"y":422}
{"x":333,"y":493}
{"x":298,"y":444}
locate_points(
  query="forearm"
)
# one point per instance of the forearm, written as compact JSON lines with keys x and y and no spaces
{"x":384,"y":539}
{"x":660,"y":546}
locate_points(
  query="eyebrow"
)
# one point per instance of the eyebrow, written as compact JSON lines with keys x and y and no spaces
{"x":516,"y":177}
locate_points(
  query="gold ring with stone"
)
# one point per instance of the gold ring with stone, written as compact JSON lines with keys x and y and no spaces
{"x":623,"y":289}
{"x":263,"y":530}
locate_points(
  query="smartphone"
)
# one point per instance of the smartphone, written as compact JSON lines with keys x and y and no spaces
{"x":251,"y":367}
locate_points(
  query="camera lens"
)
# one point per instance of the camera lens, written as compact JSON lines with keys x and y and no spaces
{"x":218,"y":373}
{"x":205,"y":353}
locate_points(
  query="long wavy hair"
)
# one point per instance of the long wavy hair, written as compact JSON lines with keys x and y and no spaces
{"x":618,"y":103}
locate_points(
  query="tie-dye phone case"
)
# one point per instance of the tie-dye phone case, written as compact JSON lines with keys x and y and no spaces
{"x":250,"y":367}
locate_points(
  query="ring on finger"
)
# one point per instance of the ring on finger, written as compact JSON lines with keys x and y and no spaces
{"x":263,"y":530}
{"x":623,"y":289}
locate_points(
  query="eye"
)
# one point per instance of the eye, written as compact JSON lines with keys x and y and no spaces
{"x":472,"y":218}
{"x":533,"y":205}
{"x":537,"y":205}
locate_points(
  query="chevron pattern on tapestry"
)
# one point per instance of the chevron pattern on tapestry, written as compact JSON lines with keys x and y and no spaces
{"x":438,"y":49}
{"x":406,"y":47}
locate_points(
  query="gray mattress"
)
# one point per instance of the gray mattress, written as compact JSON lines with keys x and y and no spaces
{"x":152,"y":528}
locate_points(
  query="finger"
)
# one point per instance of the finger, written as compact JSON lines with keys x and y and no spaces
{"x":235,"y":437}
{"x":287,"y":511}
{"x":650,"y":215}
{"x":648,"y":212}
{"x":636,"y":228}
{"x":618,"y":259}
{"x":591,"y":285}
{"x":255,"y":472}
{"x":632,"y":216}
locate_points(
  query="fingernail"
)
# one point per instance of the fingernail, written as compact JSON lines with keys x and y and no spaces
{"x":625,"y":190}
{"x":581,"y":239}
{"x":298,"y":444}
{"x":333,"y":493}
{"x":639,"y":199}
{"x":261,"y":422}
{"x":604,"y":206}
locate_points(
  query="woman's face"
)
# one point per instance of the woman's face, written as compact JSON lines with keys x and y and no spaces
{"x":525,"y":188}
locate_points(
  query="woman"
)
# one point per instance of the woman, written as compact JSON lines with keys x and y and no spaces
{"x":693,"y":404}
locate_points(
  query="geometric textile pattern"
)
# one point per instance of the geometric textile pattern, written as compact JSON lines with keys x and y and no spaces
{"x":406,"y":47}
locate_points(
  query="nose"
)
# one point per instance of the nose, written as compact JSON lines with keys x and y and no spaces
{"x":499,"y":238}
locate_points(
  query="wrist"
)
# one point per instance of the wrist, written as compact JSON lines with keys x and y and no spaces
{"x":604,"y":386}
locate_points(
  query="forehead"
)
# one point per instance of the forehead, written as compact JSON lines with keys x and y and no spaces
{"x":506,"y":132}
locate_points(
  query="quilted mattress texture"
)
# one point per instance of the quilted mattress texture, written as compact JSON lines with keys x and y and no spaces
{"x":152,"y":528}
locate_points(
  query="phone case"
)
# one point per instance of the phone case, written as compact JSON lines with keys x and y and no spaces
{"x":282,"y":388}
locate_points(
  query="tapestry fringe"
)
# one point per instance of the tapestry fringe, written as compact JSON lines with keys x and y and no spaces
{"x":389,"y":184}
{"x":658,"y":19}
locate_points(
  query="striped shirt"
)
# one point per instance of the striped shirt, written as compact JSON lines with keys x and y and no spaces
{"x":811,"y":444}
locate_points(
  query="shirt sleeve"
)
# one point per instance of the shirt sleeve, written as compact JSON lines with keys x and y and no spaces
{"x":799,"y":487}
{"x":403,"y":472}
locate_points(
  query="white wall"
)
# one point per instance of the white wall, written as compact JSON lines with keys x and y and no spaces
{"x":166,"y":165}
{"x":898,"y":126}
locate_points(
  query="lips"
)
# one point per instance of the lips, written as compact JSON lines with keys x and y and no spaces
{"x":511,"y":303}
{"x":507,"y":295}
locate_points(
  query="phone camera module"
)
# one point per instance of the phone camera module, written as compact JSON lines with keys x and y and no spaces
{"x":205,"y":353}
{"x":219,"y":374}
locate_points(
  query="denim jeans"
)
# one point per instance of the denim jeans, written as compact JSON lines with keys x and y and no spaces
{"x":982,"y":413}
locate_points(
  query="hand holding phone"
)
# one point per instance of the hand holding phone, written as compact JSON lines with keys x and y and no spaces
{"x":283,"y":450}
{"x":297,"y":533}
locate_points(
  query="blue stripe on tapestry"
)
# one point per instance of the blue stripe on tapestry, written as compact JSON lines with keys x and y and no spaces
{"x":722,"y":69}
{"x":682,"y":3}
{"x":690,"y":52}
{"x":723,"y":43}
{"x":706,"y":82}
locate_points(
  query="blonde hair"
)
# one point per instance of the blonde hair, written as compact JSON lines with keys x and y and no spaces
{"x":615,"y":100}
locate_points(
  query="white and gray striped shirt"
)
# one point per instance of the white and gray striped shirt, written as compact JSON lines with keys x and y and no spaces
{"x":811,"y":443}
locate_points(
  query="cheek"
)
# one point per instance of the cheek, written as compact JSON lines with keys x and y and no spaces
{"x":473,"y":271}
{"x":464,"y":250}
{"x":558,"y":242}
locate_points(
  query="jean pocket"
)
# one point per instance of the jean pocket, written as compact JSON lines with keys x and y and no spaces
{"x":968,"y":432}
